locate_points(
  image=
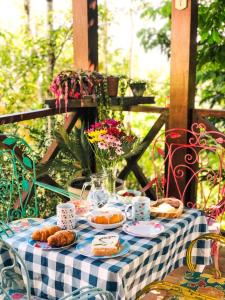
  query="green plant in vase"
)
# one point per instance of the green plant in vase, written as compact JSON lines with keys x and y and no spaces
{"x":110,"y":144}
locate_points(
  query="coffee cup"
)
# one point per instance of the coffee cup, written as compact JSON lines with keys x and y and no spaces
{"x":140,"y":209}
{"x":66,"y":216}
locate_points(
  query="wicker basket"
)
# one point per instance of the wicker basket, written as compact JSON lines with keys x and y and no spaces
{"x":174,"y":213}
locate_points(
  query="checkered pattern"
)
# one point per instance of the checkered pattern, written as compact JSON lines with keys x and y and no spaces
{"x":55,"y":273}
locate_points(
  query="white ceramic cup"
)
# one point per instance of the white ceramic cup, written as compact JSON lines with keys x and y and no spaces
{"x":140,"y":209}
{"x":66,"y":216}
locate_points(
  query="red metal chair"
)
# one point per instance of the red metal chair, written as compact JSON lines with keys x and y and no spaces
{"x":201,"y":160}
{"x":193,"y":172}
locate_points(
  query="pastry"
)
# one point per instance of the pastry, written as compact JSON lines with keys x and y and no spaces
{"x":107,"y":216}
{"x":105,"y":245}
{"x":43,"y":233}
{"x":61,"y":238}
{"x":167,"y":208}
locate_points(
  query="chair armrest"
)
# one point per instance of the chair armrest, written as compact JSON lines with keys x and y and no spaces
{"x":5,"y":229}
{"x":88,"y":292}
{"x":57,"y":190}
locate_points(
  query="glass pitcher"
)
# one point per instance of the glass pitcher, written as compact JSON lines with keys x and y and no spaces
{"x":98,"y":195}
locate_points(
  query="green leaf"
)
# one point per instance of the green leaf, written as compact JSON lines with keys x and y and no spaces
{"x":9,"y":141}
{"x":25,"y":185}
{"x":28,"y":162}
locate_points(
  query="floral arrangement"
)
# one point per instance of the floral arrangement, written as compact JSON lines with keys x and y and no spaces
{"x":110,"y":143}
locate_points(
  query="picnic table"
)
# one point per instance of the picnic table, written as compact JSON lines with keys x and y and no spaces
{"x":56,"y":273}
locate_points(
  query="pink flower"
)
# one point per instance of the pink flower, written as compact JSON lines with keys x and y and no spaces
{"x":119,"y":151}
{"x":111,"y":122}
{"x":102,"y":146}
{"x":108,"y":138}
{"x":96,"y":125}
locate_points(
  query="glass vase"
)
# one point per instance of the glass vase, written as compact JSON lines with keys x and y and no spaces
{"x":110,"y":182}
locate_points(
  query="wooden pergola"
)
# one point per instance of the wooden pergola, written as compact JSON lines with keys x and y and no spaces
{"x":181,"y":111}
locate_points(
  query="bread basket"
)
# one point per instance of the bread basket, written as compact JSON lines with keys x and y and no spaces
{"x":173,"y":208}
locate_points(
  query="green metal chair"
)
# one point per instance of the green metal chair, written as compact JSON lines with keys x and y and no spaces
{"x":15,"y":282}
{"x":18,"y":183}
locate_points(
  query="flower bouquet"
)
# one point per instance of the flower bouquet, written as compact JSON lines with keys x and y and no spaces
{"x":110,"y":144}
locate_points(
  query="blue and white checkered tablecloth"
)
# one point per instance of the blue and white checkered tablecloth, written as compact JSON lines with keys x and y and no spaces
{"x":56,"y":273}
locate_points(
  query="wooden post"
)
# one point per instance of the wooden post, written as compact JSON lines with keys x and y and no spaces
{"x":183,"y":64}
{"x":182,"y":77}
{"x":85,"y":34}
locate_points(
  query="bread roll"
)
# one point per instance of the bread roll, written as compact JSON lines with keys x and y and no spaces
{"x":43,"y":233}
{"x":61,"y":238}
{"x":107,"y":216}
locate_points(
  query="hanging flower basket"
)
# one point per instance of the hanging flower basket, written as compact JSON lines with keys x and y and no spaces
{"x":70,"y":85}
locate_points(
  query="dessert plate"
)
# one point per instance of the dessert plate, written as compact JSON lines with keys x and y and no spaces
{"x":84,"y":248}
{"x":105,"y":226}
{"x":147,"y":229}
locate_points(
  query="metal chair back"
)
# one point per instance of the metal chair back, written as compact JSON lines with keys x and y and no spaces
{"x":201,"y":161}
{"x":17,"y":178}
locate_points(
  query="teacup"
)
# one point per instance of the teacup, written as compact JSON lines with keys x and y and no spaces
{"x":140,"y":209}
{"x":66,"y":216}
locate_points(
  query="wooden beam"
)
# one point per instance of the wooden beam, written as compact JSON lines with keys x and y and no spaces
{"x":85,"y":34}
{"x":30,"y":115}
{"x":53,"y":149}
{"x":183,"y":64}
{"x":219,"y":113}
{"x":140,"y":108}
{"x":153,"y":131}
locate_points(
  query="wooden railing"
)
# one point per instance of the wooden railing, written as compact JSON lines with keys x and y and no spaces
{"x":78,"y":109}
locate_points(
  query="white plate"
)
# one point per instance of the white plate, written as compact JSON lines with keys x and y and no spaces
{"x":143,"y":228}
{"x":105,"y":226}
{"x":84,"y":248}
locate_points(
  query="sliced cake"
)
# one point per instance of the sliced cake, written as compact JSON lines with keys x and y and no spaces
{"x":104,"y":245}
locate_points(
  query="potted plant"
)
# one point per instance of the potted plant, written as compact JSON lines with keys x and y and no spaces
{"x":72,"y":85}
{"x":112,"y":85}
{"x":138,"y":87}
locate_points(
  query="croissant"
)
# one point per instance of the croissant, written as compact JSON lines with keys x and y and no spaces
{"x":43,"y":233}
{"x":61,"y":238}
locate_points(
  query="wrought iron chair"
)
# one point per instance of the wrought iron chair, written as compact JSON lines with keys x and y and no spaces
{"x":196,"y":285}
{"x":18,"y":183}
{"x":201,"y":159}
{"x":15,"y":282}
